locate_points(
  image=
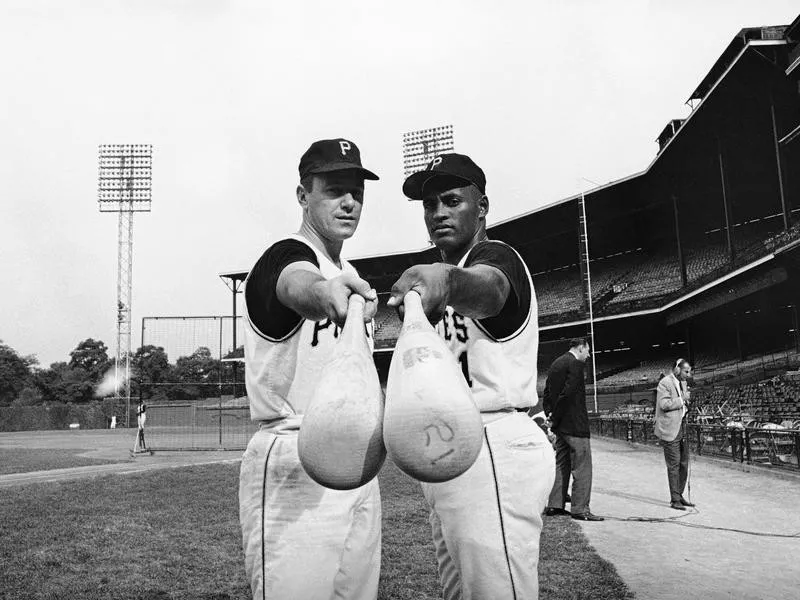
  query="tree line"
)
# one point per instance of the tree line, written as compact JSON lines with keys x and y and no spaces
{"x":23,"y":382}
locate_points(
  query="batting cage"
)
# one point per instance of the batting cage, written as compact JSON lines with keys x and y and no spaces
{"x":190,"y":373}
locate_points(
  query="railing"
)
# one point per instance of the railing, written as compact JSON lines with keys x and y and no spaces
{"x":757,"y":446}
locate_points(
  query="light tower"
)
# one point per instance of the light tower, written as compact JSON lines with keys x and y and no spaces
{"x":124,"y":187}
{"x":420,"y":147}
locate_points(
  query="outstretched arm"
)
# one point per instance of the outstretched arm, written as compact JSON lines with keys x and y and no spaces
{"x":476,"y":292}
{"x":302,"y":288}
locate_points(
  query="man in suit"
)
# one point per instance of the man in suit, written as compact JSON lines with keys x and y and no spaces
{"x":672,"y":401}
{"x":565,"y":404}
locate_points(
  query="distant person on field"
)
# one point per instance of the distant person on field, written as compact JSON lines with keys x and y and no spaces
{"x":565,"y":404}
{"x":141,"y":417}
{"x":672,"y":404}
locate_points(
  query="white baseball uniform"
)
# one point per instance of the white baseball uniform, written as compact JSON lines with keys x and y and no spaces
{"x":302,"y":541}
{"x":141,"y":415}
{"x":487,"y":522}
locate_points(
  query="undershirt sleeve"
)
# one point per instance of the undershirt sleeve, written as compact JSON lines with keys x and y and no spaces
{"x":270,"y":317}
{"x":515,"y":311}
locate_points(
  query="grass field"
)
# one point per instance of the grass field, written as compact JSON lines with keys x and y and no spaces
{"x":24,"y":460}
{"x":174,"y":534}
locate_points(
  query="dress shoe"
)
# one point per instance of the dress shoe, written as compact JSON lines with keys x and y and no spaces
{"x":676,"y":504}
{"x":685,"y":502}
{"x":587,"y":516}
{"x":568,"y":499}
{"x":555,"y":512}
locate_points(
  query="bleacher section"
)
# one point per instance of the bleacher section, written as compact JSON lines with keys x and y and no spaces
{"x":646,"y":372}
{"x":705,"y":259}
{"x":387,"y":325}
{"x":633,"y":279}
{"x":753,"y":405}
{"x":610,"y":363}
{"x":775,"y":400}
{"x":729,"y":368}
{"x":558,"y":292}
{"x":656,"y":276}
{"x":707,"y":369}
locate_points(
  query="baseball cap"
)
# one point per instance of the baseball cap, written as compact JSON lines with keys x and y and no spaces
{"x":338,"y":154}
{"x":457,"y":166}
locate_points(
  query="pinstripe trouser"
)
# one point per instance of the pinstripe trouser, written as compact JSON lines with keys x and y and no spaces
{"x":303,"y":541}
{"x":487,"y":522}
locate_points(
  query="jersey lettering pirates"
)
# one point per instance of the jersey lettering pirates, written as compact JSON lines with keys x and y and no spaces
{"x":498,"y":359}
{"x":282,"y":370}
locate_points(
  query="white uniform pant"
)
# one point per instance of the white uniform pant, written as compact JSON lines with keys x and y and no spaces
{"x":303,"y":541}
{"x":487,"y":522}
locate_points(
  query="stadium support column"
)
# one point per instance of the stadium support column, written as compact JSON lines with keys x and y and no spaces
{"x":726,"y":202}
{"x":681,"y":258}
{"x":235,"y":289}
{"x":740,"y":354}
{"x":219,"y":382}
{"x":234,"y":282}
{"x":779,"y":165}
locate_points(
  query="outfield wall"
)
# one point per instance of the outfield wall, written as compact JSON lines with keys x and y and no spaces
{"x":94,"y":415}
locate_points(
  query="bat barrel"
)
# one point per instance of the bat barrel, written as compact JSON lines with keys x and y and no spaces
{"x":341,"y":437}
{"x":432,"y":428}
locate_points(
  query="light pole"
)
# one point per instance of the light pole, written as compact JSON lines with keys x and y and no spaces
{"x":585,"y":236}
{"x":124,"y":187}
{"x":420,"y":147}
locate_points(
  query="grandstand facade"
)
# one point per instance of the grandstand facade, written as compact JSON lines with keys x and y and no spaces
{"x":698,"y":255}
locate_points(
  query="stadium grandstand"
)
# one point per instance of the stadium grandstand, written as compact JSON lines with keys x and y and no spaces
{"x":698,"y":255}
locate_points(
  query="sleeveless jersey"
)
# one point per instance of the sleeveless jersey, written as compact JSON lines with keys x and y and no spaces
{"x":280,"y":373}
{"x":501,"y":372}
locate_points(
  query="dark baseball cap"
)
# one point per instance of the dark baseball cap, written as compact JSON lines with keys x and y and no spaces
{"x":339,"y":154}
{"x":458,"y":167}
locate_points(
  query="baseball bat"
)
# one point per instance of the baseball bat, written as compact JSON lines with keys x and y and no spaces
{"x":340,"y":442}
{"x":431,"y":426}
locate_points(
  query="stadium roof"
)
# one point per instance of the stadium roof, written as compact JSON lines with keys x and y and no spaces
{"x":747,"y":36}
{"x":793,"y":37}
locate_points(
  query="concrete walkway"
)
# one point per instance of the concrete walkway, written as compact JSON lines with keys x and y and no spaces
{"x":685,"y":559}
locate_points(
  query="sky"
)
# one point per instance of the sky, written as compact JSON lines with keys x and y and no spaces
{"x":543,"y":95}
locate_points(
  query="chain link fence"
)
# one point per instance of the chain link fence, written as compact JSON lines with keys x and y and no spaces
{"x":198,"y":400}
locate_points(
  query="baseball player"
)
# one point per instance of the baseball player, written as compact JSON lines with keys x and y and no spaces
{"x":303,"y":541}
{"x":487,"y":522}
{"x":141,"y":418}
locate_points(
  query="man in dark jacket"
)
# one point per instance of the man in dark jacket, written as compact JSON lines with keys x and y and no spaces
{"x":565,"y":403}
